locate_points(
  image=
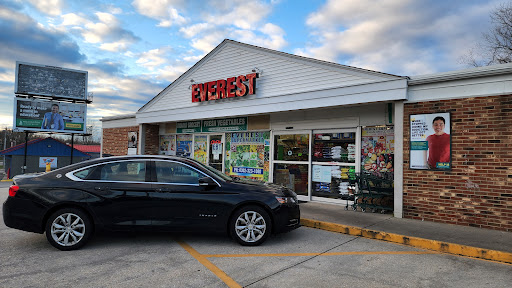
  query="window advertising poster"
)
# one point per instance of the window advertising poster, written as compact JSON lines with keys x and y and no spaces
{"x":41,"y":115}
{"x":430,"y":142}
{"x":168,"y":144}
{"x":184,"y":145}
{"x":132,"y":139}
{"x":200,"y":148}
{"x":377,"y":149}
{"x":247,"y":155}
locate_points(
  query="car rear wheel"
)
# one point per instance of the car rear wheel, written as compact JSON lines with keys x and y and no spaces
{"x":250,"y":226}
{"x":68,"y":229}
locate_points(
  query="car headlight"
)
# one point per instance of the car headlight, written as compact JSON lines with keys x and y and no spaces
{"x":286,"y":200}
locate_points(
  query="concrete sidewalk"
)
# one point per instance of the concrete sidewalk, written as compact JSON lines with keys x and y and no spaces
{"x":461,"y":240}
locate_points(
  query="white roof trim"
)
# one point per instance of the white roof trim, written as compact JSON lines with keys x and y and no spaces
{"x":461,"y":74}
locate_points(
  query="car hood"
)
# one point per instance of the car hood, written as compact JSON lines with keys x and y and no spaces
{"x":255,"y":186}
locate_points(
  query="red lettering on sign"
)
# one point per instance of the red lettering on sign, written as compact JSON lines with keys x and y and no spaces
{"x":221,"y":89}
{"x":252,"y":82}
{"x":195,"y":93}
{"x":202,"y":92}
{"x":211,"y":90}
{"x":243,"y":88}
{"x":230,"y":88}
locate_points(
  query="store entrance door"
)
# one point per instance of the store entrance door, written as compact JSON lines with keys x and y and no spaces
{"x":216,"y":152}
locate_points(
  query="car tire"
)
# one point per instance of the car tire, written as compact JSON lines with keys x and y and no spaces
{"x":68,"y":229}
{"x":250,"y":225}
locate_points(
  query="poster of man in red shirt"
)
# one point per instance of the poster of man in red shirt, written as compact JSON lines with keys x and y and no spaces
{"x":430,"y":141}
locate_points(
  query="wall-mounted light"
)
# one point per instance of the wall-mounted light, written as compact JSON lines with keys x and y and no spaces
{"x":192,"y":82}
{"x":257,"y":70}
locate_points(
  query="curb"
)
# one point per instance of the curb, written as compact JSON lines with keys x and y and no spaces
{"x":417,"y":242}
{"x":7,"y":180}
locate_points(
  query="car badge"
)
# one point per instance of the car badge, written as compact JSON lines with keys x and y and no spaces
{"x":58,"y":175}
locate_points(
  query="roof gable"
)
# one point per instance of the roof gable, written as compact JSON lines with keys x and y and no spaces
{"x":231,"y":58}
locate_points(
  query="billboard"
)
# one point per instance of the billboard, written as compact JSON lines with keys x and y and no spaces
{"x":44,"y":80}
{"x":52,"y":116}
{"x":430,"y":142}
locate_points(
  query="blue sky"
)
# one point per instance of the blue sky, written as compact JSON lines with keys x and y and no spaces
{"x":134,"y":49}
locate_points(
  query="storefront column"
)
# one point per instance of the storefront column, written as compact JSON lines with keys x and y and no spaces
{"x":142,"y":140}
{"x":399,"y":159}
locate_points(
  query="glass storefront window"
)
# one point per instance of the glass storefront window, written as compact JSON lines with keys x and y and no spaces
{"x":293,"y":147}
{"x":293,"y":176}
{"x":334,"y":147}
{"x":331,"y":181}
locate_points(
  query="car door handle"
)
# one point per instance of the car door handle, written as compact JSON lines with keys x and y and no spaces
{"x":161,"y":190}
{"x":101,"y":188}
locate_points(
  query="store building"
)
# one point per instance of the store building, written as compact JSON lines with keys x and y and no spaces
{"x":308,"y":124}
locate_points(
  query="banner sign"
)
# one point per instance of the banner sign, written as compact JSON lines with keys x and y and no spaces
{"x":42,"y":115}
{"x":214,"y":125}
{"x":430,"y":141}
{"x":188,"y":127}
{"x":44,"y":80}
{"x":227,"y":124}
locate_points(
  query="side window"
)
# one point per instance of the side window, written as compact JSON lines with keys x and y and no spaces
{"x":83,"y":174}
{"x":134,"y":171}
{"x":172,"y":172}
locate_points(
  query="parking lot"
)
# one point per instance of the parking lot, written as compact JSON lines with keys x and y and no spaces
{"x":305,"y":257}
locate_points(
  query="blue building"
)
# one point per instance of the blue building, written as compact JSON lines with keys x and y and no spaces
{"x":40,"y":151}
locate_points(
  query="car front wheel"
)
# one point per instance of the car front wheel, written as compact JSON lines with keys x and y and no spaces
{"x":68,"y":229}
{"x":250,"y":226}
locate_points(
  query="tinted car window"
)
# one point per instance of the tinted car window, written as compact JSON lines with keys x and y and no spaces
{"x":172,"y":172}
{"x":134,"y":171}
{"x":83,"y":174}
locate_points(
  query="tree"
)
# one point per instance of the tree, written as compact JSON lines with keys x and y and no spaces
{"x":497,"y":43}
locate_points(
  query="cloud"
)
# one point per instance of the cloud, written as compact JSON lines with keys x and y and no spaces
{"x":154,"y":58}
{"x":49,"y":7}
{"x":162,"y":10}
{"x":243,"y":14}
{"x":403,"y":37}
{"x":243,"y":20}
{"x":107,"y":31}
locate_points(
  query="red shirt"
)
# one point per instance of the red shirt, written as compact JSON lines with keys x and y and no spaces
{"x":438,"y":149}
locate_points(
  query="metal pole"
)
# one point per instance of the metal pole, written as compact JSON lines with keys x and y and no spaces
{"x":24,"y":169}
{"x":72,"y":148}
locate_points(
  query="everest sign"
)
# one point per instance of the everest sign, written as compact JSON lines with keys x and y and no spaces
{"x":220,"y":89}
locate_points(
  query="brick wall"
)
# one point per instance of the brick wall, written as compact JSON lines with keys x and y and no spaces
{"x":115,"y":140}
{"x":151,"y":139}
{"x":478,"y":190}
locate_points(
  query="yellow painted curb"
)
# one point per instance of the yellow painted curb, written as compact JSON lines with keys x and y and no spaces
{"x":7,"y":180}
{"x":434,"y":245}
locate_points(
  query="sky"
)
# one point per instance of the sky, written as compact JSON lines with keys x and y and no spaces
{"x":132,"y":50}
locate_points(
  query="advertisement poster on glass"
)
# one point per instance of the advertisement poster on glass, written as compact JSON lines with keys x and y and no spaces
{"x":430,"y":141}
{"x":247,"y":155}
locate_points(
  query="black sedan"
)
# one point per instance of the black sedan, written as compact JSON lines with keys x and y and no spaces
{"x":146,"y":192}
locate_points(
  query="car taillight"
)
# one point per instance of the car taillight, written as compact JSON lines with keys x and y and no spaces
{"x":13,"y":189}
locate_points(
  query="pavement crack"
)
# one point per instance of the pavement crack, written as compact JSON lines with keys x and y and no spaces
{"x":302,"y":262}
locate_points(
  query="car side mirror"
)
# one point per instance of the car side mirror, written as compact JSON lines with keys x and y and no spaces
{"x":207,"y":182}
